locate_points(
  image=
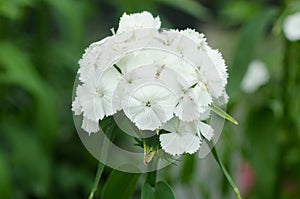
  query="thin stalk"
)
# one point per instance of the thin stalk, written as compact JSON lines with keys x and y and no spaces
{"x":109,"y":127}
{"x":226,"y":174}
{"x":151,"y":176}
{"x":97,"y":179}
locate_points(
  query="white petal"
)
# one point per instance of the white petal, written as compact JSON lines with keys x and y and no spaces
{"x":162,"y":104}
{"x":199,"y":38}
{"x":138,"y":21}
{"x":209,"y":71}
{"x":219,"y":63}
{"x":177,"y":144}
{"x":206,"y":130}
{"x":185,"y":70}
{"x":205,"y":115}
{"x":223,"y":99}
{"x":76,"y":107}
{"x":110,"y":78}
{"x":202,"y":97}
{"x":96,"y":95}
{"x":89,"y":125}
{"x":182,"y":139}
{"x":187,"y":108}
{"x":88,"y":62}
{"x":148,"y":118}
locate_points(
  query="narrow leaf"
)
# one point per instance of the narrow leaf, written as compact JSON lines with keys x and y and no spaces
{"x":223,"y":114}
{"x":108,"y":126}
{"x":226,"y":174}
{"x":97,"y":179}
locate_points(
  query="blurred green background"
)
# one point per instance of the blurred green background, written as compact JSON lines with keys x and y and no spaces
{"x":41,"y":155}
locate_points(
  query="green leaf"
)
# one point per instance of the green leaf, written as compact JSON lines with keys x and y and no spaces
{"x":163,"y":191}
{"x":148,"y":192}
{"x":120,"y":185}
{"x":188,"y":168}
{"x":223,"y":114}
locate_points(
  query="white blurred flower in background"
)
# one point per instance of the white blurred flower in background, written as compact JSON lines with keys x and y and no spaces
{"x":291,"y":27}
{"x":256,"y":76}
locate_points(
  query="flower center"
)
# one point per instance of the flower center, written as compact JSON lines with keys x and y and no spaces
{"x":148,"y":104}
{"x":99,"y":92}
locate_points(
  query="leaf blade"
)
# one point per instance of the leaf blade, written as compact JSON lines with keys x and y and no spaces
{"x":223,"y":114}
{"x":148,"y":192}
{"x":163,"y":191}
{"x":116,"y":180}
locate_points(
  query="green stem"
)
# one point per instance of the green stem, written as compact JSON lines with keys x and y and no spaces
{"x":97,"y":179}
{"x":227,"y":175}
{"x":151,"y":178}
{"x":109,"y":125}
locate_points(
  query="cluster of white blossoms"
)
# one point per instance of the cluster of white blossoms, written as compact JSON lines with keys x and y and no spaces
{"x":161,"y":79}
{"x":291,"y":27}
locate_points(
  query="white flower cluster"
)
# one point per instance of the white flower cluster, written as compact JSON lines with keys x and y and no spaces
{"x":161,"y":79}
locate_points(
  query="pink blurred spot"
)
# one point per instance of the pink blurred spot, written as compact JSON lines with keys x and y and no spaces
{"x":245,"y":178}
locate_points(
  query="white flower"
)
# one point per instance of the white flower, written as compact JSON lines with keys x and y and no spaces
{"x":88,"y":62}
{"x":95,"y":95}
{"x":291,"y":27}
{"x":181,"y":139}
{"x":184,"y":137}
{"x":150,"y":106}
{"x":256,"y":75}
{"x":138,"y":21}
